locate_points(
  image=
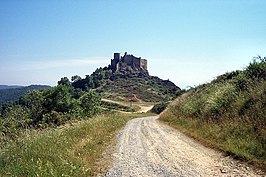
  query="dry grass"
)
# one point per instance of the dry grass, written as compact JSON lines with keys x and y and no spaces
{"x":66,"y":151}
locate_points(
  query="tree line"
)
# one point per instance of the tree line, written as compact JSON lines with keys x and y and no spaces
{"x":48,"y":108}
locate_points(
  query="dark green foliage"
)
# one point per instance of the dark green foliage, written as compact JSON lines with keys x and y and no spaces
{"x":257,"y":68}
{"x":75,"y":78}
{"x":160,"y":107}
{"x":64,"y":81}
{"x":90,"y":102}
{"x":58,"y":99}
{"x":15,"y":118}
{"x":77,"y":93}
{"x":54,"y":118}
{"x":96,"y":79}
{"x":46,"y":108}
{"x":34,"y":101}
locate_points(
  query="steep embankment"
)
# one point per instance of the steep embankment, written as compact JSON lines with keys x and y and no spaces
{"x":228,"y":113}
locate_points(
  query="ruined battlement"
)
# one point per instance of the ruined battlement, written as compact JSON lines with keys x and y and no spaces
{"x":119,"y":62}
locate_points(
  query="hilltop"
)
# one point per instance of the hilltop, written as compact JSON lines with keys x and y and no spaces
{"x":127,"y":79}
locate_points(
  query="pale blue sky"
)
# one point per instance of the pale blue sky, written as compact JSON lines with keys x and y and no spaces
{"x":187,"y":41}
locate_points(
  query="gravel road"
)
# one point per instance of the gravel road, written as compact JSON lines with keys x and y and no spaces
{"x":147,"y":147}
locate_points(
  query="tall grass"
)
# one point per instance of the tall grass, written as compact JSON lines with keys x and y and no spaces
{"x":72,"y":150}
{"x":228,"y":113}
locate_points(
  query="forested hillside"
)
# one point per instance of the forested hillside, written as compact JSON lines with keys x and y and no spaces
{"x":228,"y":113}
{"x":9,"y":86}
{"x":13,"y":93}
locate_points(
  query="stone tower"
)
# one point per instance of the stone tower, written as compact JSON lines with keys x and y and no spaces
{"x":129,"y":60}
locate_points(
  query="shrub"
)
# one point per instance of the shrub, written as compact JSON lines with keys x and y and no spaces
{"x":160,"y":107}
{"x":257,"y":68}
{"x":58,"y":99}
{"x":54,"y":119}
{"x":34,"y":101}
{"x":16,"y":118}
{"x":90,"y":102}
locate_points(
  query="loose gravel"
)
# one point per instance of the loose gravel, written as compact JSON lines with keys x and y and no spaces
{"x":147,"y":147}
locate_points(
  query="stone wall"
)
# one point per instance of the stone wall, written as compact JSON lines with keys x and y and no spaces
{"x":143,"y":64}
{"x":130,"y":60}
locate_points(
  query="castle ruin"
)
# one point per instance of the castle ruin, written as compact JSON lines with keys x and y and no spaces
{"x":129,"y":60}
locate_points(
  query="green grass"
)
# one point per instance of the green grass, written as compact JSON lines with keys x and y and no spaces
{"x":234,"y":137}
{"x":71,"y":150}
{"x":116,"y":106}
{"x":227,"y":113}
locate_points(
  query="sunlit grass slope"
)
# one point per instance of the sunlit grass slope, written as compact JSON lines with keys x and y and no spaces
{"x":228,"y":113}
{"x":71,"y":150}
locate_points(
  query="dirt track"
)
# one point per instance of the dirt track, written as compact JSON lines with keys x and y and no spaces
{"x":147,"y":147}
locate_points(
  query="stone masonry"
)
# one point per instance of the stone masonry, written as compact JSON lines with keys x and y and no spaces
{"x":129,"y":60}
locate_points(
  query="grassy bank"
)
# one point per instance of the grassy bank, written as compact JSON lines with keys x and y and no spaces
{"x":72,"y":150}
{"x":228,"y":113}
{"x":233,"y":137}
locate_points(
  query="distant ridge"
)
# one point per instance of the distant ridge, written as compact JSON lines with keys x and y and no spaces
{"x":13,"y":93}
{"x":9,"y":86}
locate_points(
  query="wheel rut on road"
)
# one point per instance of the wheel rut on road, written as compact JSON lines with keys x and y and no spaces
{"x":147,"y":147}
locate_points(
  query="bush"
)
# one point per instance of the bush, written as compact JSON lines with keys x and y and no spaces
{"x":160,"y":107}
{"x":58,"y":99}
{"x":54,"y":119}
{"x":90,"y":102}
{"x":257,"y":68}
{"x":16,"y":118}
{"x":34,"y":101}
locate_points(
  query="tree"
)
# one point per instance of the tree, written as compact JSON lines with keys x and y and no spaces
{"x":64,"y":81}
{"x":75,"y":78}
{"x":34,"y":101}
{"x":77,"y":93}
{"x":90,"y":81}
{"x":90,"y":102}
{"x":58,"y":99}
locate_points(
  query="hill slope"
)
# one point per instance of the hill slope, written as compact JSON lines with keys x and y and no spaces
{"x":228,"y":113}
{"x":127,"y":79}
{"x":13,"y":94}
{"x":135,"y":88}
{"x":128,"y":85}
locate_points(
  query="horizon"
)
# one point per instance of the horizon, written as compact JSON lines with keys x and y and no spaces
{"x":188,"y":42}
{"x":69,"y":77}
